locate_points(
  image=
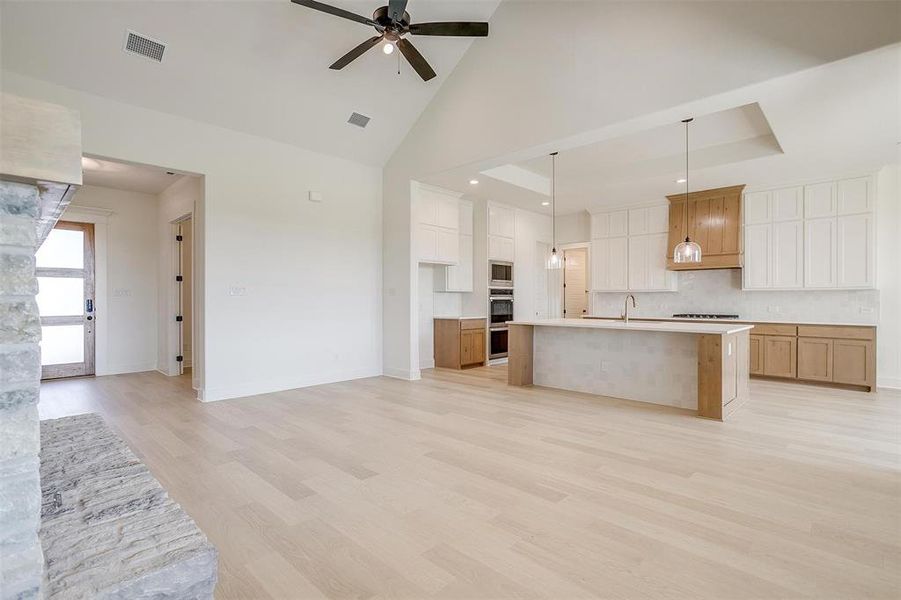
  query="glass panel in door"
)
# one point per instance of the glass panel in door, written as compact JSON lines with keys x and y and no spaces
{"x":65,"y":273}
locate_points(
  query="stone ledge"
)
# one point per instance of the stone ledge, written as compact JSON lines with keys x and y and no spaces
{"x":109,"y":530}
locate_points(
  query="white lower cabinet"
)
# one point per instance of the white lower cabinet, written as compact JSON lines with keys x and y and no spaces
{"x":610,"y":264}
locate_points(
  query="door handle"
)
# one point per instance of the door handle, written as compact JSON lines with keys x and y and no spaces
{"x":89,"y":305}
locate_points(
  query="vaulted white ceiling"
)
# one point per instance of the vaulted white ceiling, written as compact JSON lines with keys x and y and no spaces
{"x":259,"y":67}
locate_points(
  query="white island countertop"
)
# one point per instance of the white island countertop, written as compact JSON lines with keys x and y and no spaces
{"x":658,"y":326}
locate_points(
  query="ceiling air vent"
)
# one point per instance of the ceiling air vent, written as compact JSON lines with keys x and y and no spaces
{"x":358,"y":120}
{"x":135,"y":43}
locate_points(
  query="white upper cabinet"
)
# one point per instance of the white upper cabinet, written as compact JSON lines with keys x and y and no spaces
{"x":609,"y":265}
{"x":653,"y":219}
{"x":787,"y":255}
{"x":436,"y":232}
{"x":818,"y":236}
{"x":501,"y":221}
{"x":628,"y":250}
{"x":610,"y":224}
{"x":458,"y":277}
{"x":819,"y":253}
{"x":819,"y":200}
{"x":788,"y":204}
{"x":855,"y":250}
{"x":758,"y":208}
{"x":500,"y":248}
{"x":758,"y":246}
{"x":855,"y":195}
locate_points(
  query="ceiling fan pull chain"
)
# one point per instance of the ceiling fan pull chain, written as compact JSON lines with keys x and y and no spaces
{"x":398,"y":63}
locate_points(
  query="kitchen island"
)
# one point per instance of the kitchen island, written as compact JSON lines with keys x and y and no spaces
{"x":700,"y":366}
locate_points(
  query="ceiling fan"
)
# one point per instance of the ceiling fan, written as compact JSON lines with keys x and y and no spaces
{"x":392,"y":22}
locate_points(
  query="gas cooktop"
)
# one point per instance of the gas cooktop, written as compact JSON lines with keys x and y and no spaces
{"x":703,"y":316}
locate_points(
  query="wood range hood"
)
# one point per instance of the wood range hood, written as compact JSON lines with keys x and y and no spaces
{"x":712,"y":218}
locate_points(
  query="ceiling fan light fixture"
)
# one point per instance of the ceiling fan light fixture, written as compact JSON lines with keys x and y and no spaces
{"x":388,"y":48}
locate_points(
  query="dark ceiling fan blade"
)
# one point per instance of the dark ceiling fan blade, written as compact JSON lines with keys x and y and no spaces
{"x":333,"y":10}
{"x":452,"y":28}
{"x":419,"y":64}
{"x":356,"y":53}
{"x":396,"y":9}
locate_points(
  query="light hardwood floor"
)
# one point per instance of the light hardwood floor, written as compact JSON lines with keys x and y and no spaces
{"x":458,"y":486}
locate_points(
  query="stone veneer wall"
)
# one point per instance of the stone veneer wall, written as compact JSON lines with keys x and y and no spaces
{"x":21,"y":567}
{"x":719,"y":291}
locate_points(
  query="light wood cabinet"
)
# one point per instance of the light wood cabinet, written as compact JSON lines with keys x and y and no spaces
{"x":844,"y":354}
{"x":854,"y":362}
{"x":712,"y":218}
{"x":459,"y":343}
{"x":815,"y":359}
{"x":780,"y":356}
{"x":756,"y":352}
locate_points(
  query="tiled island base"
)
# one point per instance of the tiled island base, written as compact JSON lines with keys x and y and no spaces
{"x":699,"y":366}
{"x":108,"y":529}
{"x":647,"y":366}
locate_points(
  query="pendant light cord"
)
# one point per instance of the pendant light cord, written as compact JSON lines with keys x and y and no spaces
{"x":554,"y":199}
{"x":686,"y":121}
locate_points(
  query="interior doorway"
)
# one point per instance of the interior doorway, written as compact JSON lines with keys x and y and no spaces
{"x":184,"y":253}
{"x":575,"y":283}
{"x":65,"y":273}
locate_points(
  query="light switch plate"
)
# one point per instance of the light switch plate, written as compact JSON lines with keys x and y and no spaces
{"x":314,"y":196}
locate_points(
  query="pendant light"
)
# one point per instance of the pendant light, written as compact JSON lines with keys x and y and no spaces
{"x":555,"y":261}
{"x":687,"y":251}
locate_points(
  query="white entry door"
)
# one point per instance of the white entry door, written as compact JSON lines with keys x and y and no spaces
{"x":65,"y":272}
{"x":575,"y":283}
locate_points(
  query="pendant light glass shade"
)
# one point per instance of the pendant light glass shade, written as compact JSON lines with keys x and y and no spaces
{"x":687,"y":251}
{"x":554,"y":261}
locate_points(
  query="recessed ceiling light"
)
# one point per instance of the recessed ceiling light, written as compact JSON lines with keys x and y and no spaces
{"x":545,"y":204}
{"x":473,"y":182}
{"x":680,"y":180}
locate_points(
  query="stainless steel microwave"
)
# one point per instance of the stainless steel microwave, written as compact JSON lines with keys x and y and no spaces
{"x":501,"y":273}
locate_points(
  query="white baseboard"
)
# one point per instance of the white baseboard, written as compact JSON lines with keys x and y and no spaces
{"x":892,"y":383}
{"x":268,"y":386}
{"x":401,"y":374}
{"x":128,"y":368}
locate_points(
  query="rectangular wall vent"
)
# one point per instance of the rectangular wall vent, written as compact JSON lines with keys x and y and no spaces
{"x":136,"y":43}
{"x":358,"y":120}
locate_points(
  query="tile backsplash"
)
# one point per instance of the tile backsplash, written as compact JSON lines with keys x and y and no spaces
{"x":719,"y":291}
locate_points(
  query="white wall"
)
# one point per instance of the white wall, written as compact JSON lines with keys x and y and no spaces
{"x":888,"y":276}
{"x":574,"y":228}
{"x":128,"y":313}
{"x":311,"y":312}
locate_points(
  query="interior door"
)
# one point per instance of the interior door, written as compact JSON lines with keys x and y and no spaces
{"x":575,"y":283}
{"x":65,"y":272}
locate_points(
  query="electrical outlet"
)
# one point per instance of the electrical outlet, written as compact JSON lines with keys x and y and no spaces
{"x":121,"y":293}
{"x":235,"y":290}
{"x":866,"y":310}
{"x":604,"y":366}
{"x":774,"y":309}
